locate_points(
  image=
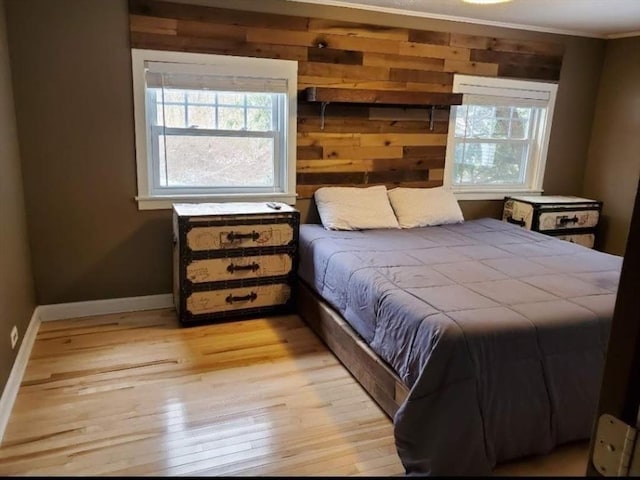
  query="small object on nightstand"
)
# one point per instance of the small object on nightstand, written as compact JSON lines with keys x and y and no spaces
{"x":233,"y":260}
{"x":274,"y":205}
{"x":574,"y":219}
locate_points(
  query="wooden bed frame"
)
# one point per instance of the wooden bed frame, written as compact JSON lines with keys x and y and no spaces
{"x":382,"y":383}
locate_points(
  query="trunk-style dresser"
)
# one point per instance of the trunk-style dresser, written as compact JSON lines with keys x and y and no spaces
{"x":233,"y":260}
{"x":569,"y":218}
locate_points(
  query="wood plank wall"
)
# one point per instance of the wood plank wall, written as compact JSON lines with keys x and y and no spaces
{"x":359,"y":144}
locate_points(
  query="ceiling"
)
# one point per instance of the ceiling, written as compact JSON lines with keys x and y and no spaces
{"x":588,"y":18}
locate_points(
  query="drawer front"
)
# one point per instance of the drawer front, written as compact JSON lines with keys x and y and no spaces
{"x":518,"y":213}
{"x":231,"y":299}
{"x":235,"y":268}
{"x":239,"y":236}
{"x":584,"y":239}
{"x":568,"y":219}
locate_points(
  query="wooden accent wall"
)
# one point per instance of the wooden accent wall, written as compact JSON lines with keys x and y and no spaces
{"x":359,"y":144}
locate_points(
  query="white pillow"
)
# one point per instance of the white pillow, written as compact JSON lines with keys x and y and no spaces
{"x":355,"y":208}
{"x":422,"y":207}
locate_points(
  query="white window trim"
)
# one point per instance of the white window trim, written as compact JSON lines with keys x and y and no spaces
{"x":503,"y":87}
{"x":267,"y":68}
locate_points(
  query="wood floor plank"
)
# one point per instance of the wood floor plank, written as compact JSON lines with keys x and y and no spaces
{"x":128,"y":394}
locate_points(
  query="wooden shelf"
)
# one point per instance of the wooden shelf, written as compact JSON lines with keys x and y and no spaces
{"x":381,"y":97}
{"x":327,"y":95}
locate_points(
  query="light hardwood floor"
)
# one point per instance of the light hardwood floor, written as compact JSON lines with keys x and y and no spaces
{"x":136,"y":394}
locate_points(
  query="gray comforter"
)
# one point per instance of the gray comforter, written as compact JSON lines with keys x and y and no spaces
{"x":499,"y":332}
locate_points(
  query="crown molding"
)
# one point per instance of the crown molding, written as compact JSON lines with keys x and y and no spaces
{"x":615,"y":36}
{"x":452,"y":18}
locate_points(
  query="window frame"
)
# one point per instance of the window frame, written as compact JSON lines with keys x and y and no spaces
{"x":157,"y":131}
{"x":504,"y":89}
{"x":149,"y":196}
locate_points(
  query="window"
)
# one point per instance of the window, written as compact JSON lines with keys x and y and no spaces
{"x":498,"y":137}
{"x":213,"y":128}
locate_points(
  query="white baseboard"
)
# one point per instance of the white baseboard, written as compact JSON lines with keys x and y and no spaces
{"x":59,"y":311}
{"x":45,"y":313}
{"x":17,"y":372}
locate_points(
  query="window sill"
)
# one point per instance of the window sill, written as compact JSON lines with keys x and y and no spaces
{"x":492,"y":195}
{"x":167,"y":201}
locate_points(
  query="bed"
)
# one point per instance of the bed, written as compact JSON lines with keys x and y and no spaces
{"x":483,"y":341}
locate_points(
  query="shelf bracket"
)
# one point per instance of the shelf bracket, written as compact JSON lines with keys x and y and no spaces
{"x":323,"y":107}
{"x":431,"y":115}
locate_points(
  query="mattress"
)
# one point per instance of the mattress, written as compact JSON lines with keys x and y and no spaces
{"x":499,"y":332}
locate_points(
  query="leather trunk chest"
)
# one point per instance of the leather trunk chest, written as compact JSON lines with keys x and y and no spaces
{"x":574,"y":219}
{"x":233,"y":260}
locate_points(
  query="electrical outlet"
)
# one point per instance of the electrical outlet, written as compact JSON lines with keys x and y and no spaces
{"x":14,"y":336}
